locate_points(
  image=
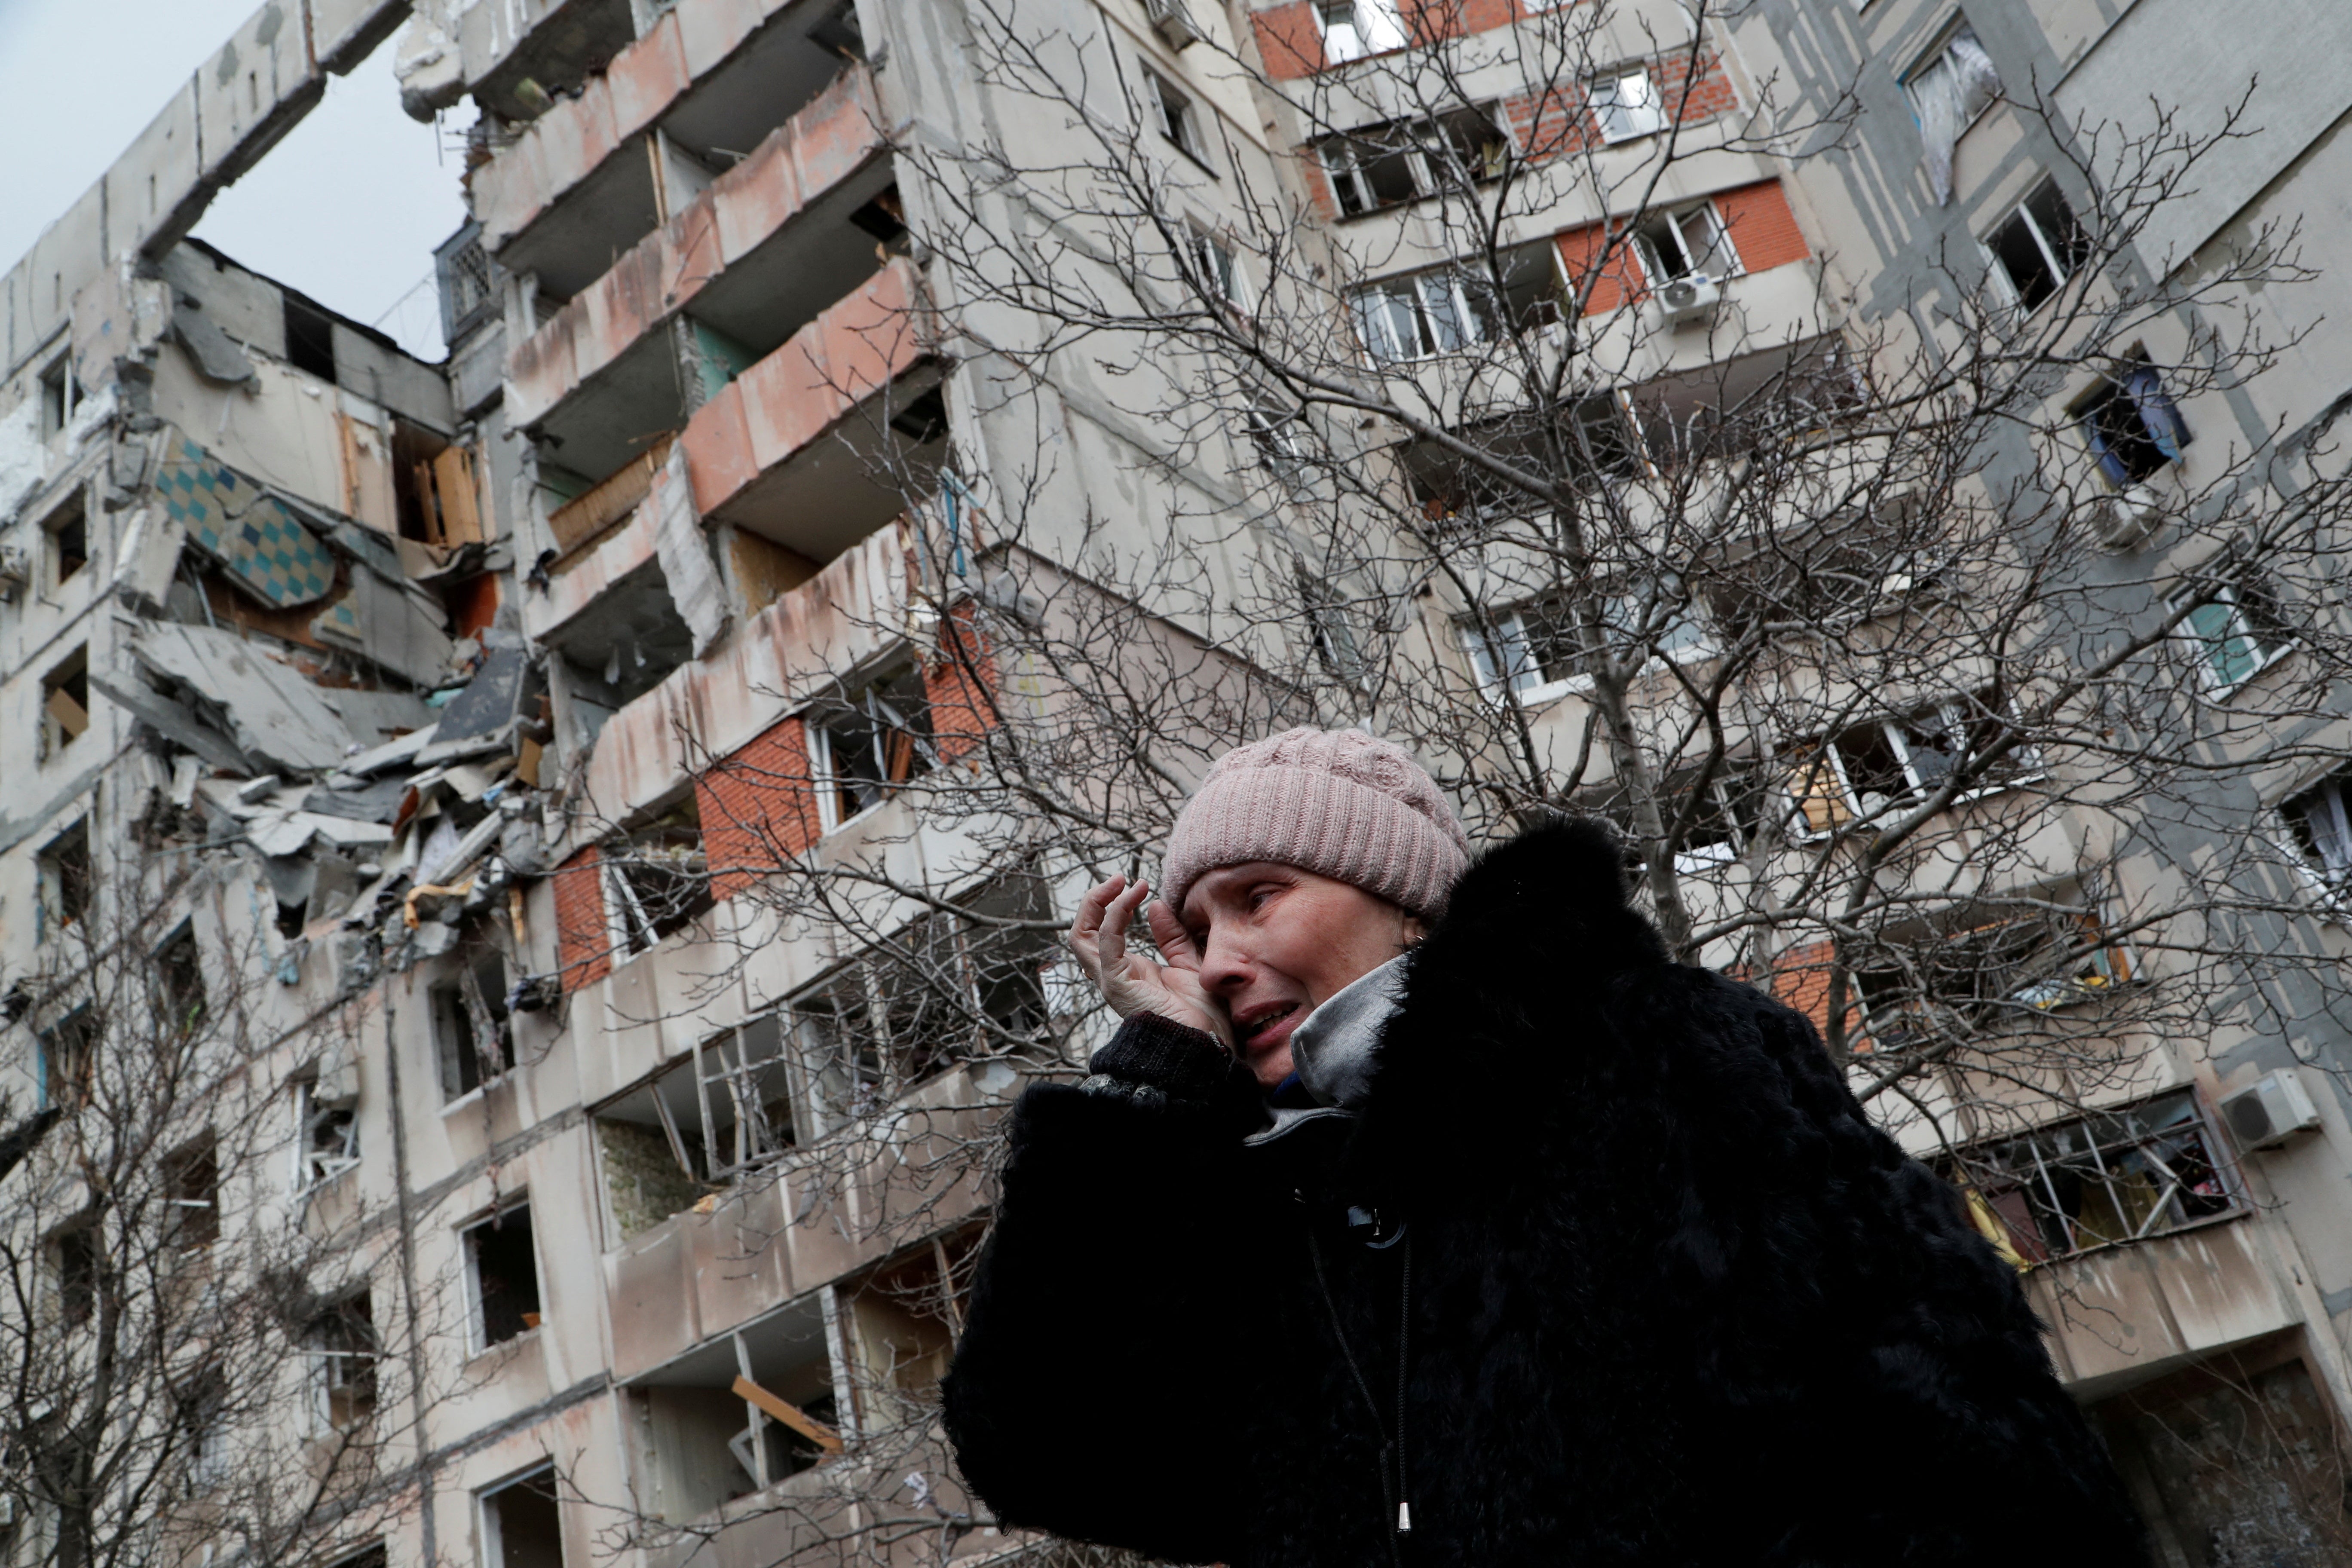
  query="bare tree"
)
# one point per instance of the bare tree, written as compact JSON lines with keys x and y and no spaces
{"x":1929,"y":676}
{"x":197,"y":1361}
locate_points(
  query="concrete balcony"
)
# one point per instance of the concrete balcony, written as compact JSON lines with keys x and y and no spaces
{"x":590,"y":177}
{"x":747,"y":263}
{"x":831,"y":436}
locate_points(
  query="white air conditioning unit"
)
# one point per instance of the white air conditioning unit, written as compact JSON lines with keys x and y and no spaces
{"x":2268,"y":1111}
{"x":1174,"y":23}
{"x":1690,"y":298}
{"x":2129,"y":516}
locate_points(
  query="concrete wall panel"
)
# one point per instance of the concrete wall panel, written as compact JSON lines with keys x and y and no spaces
{"x":710,"y":30}
{"x":648,"y":77}
{"x":344,"y":32}
{"x":652,"y":1308}
{"x":249,"y":87}
{"x":70,"y":253}
{"x":147,"y":184}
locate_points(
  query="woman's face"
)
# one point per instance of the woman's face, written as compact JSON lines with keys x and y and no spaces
{"x":1276,"y":941}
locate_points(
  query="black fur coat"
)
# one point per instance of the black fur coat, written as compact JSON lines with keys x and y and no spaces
{"x":1666,"y":1297}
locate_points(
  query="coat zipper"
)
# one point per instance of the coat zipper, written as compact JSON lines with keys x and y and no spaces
{"x":1404,"y":1329}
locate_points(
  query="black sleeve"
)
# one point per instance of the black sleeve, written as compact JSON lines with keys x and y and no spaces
{"x":1092,"y":1394}
{"x":1848,"y":1315}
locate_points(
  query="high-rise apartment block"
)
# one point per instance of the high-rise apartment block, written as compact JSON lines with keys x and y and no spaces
{"x":526,"y":881}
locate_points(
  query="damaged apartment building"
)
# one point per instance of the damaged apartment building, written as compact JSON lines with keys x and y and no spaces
{"x":472,"y":708}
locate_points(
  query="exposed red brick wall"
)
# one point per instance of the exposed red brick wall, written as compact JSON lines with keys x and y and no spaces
{"x":1621,"y":280}
{"x":1288,"y":40}
{"x":1556,"y":120}
{"x":962,"y":683}
{"x":758,"y":807}
{"x":1763,"y":230}
{"x":584,"y":942}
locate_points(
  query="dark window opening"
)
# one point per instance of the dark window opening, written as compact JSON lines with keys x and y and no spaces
{"x":433,"y":489}
{"x":521,"y":1525}
{"x":872,"y":743}
{"x":192,"y":1197}
{"x":660,"y":877}
{"x":2322,"y":825}
{"x":840,"y":33}
{"x":472,"y":1032}
{"x":2105,"y":1181}
{"x":67,"y":880}
{"x":69,"y":1060}
{"x":77,"y":1272}
{"x":65,"y":703}
{"x":503,"y":1265}
{"x":727,"y":1112}
{"x":2039,"y":246}
{"x":2133,"y":428}
{"x":67,"y":530}
{"x":909,"y":1315}
{"x":342,"y":1345}
{"x":884,"y":218}
{"x":310,"y":339}
{"x":924,"y":418}
{"x":180,"y":982}
{"x":1400,"y":161}
{"x":331,"y":1137}
{"x":1173,"y":113}
{"x":202,"y":1419}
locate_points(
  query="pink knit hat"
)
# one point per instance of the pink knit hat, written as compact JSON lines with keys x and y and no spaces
{"x":1334,"y":802}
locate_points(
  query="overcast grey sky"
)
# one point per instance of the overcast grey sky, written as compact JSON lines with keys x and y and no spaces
{"x":348,"y":208}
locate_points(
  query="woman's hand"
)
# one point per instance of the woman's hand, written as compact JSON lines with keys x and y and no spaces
{"x":1132,"y":983}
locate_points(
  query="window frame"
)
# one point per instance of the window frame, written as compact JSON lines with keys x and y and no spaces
{"x":1512,"y":632}
{"x":1176,"y":115}
{"x":312,"y":1168}
{"x":1939,"y":54}
{"x":1617,"y":122}
{"x":1363,"y":46}
{"x":61,"y":395}
{"x":477,"y":1340}
{"x":1218,"y":266}
{"x":2056,"y":253}
{"x":320,"y":1382}
{"x":2199,"y":646}
{"x":1809,"y":759}
{"x":1673,"y":222}
{"x":61,"y":729}
{"x":822,"y":719}
{"x":2332,"y":882}
{"x":1377,"y":331}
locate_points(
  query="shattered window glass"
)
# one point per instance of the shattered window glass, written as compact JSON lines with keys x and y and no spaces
{"x":2107,"y":1180}
{"x":873,"y":742}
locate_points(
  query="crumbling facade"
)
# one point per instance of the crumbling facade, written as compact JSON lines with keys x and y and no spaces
{"x":529,"y":744}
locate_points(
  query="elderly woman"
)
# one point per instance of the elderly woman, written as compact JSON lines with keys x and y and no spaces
{"x":1422,"y":1210}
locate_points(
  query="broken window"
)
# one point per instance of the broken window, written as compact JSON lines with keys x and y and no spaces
{"x":69,"y":1058}
{"x":1627,"y":104}
{"x":472,"y":1034}
{"x":1329,"y":628}
{"x":201,"y":1409}
{"x":66,"y":532}
{"x":1686,"y":242}
{"x":1416,"y":316}
{"x":60,"y":395}
{"x":728,"y":1110}
{"x":65,"y":703}
{"x":1890,"y":765}
{"x":2037,"y":247}
{"x":1173,"y":115}
{"x":941,"y":990}
{"x":2321,"y":828}
{"x":1214,"y":271}
{"x":327,"y":1137}
{"x":1953,"y":82}
{"x":2121,"y":1177}
{"x":434,"y":490}
{"x":2132,"y":427}
{"x":739,"y":1412}
{"x":309,"y":338}
{"x":1541,"y":650}
{"x":66,"y":877}
{"x":180,"y":982}
{"x":1948,"y":983}
{"x":342,"y":1348}
{"x":522,"y":1527}
{"x":1396,"y":160}
{"x":870,"y":742}
{"x":1593,"y":442}
{"x":191,"y":1195}
{"x":74,"y":1252}
{"x":1274,"y":436}
{"x":501,"y":1277}
{"x":659,"y":877}
{"x":2233,"y":633}
{"x":1355,"y":28}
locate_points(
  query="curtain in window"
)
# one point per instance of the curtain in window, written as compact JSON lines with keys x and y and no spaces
{"x":1949,"y":93}
{"x":2163,"y":420}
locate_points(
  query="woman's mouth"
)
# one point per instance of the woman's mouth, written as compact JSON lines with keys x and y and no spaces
{"x":1261,"y":1031}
